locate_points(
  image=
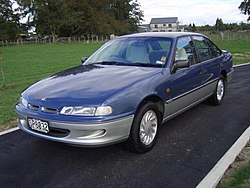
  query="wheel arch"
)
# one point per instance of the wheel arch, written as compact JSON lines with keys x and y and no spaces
{"x":155,"y":99}
{"x":224,"y":74}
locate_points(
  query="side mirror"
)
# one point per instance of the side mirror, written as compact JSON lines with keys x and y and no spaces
{"x":180,"y":64}
{"x":84,"y":59}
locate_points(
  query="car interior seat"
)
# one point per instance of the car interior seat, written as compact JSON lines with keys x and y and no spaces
{"x":181,"y":54}
{"x":157,"y":55}
{"x":138,"y":52}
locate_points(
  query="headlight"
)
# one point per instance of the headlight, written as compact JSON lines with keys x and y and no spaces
{"x":103,"y":110}
{"x":23,"y":102}
{"x":86,"y":111}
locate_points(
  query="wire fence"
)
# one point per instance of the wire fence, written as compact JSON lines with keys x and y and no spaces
{"x":229,"y":35}
{"x":49,"y":40}
{"x":226,"y":35}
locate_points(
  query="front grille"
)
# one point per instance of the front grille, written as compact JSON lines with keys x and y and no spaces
{"x":33,"y":107}
{"x":49,"y":110}
{"x":43,"y":109}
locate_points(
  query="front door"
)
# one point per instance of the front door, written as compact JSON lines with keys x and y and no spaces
{"x":186,"y":82}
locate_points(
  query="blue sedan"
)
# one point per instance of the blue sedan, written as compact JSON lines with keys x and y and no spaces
{"x":126,"y":90}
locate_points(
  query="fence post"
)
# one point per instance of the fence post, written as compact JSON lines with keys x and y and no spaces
{"x":222,"y":35}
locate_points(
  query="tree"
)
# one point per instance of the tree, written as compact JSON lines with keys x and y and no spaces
{"x":78,"y":17}
{"x":189,"y":27}
{"x":105,"y":17}
{"x":245,"y":8}
{"x":9,"y":20}
{"x":193,"y":28}
{"x":47,"y":16}
{"x":219,"y":25}
{"x":206,"y":28}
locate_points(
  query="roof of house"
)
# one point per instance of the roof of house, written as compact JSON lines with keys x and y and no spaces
{"x":164,"y":20}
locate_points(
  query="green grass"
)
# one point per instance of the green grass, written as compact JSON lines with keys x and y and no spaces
{"x":239,"y":48}
{"x":238,"y":45}
{"x":234,"y":46}
{"x":239,"y":179}
{"x":24,"y":65}
{"x":238,"y":175}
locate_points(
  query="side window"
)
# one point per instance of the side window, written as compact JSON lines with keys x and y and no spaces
{"x":214,"y":49}
{"x":159,"y":50}
{"x":184,"y":50}
{"x":202,"y":47}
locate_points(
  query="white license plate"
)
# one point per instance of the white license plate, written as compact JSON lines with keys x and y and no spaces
{"x":39,"y":125}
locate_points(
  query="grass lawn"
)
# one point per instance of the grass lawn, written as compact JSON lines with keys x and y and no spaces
{"x":238,"y":175}
{"x":239,"y":48}
{"x":24,"y":65}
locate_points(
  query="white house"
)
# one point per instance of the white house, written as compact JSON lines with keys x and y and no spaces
{"x":164,"y":24}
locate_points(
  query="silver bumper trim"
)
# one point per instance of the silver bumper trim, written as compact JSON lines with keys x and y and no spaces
{"x":84,"y":134}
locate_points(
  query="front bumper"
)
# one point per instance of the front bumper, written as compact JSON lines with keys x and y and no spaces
{"x":84,"y":134}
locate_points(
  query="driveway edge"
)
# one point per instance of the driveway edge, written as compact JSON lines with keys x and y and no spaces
{"x":9,"y":131}
{"x":241,"y":64}
{"x":217,"y":172}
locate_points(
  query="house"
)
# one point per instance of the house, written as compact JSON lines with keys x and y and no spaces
{"x":168,"y":24}
{"x":143,"y":28}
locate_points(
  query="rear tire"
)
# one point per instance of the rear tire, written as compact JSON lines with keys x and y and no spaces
{"x":219,"y":92}
{"x":144,"y":129}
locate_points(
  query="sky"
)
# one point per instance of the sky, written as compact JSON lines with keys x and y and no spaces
{"x":193,"y":11}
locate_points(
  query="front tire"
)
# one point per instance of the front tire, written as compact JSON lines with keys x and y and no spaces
{"x":144,"y":129}
{"x":219,"y":92}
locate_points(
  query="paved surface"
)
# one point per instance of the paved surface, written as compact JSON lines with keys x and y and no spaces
{"x":187,"y":149}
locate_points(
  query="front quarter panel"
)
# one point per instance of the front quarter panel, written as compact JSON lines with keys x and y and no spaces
{"x":127,"y":101}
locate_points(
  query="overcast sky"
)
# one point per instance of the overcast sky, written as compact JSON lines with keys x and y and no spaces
{"x":194,"y":11}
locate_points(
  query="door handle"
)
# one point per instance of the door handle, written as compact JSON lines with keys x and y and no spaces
{"x":202,"y":71}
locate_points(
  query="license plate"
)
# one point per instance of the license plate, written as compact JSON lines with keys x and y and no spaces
{"x":39,"y":125}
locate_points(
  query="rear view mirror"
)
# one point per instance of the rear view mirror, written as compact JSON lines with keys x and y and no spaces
{"x":84,"y":59}
{"x":180,"y":64}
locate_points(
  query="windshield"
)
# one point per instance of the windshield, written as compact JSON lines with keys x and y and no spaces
{"x":146,"y":51}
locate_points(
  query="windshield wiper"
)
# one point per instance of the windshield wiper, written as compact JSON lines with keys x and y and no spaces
{"x":109,"y":63}
{"x":141,"y":64}
{"x":146,"y":64}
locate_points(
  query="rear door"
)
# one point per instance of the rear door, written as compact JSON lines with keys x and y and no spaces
{"x":209,"y":56}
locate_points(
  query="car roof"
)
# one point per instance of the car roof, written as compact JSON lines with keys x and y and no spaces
{"x":162,"y":34}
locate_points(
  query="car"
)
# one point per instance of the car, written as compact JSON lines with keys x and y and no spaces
{"x":125,"y":90}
